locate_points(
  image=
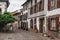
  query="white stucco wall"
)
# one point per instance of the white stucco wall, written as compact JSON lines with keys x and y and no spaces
{"x":3,"y":6}
{"x":38,"y":0}
{"x":36,"y":14}
{"x":29,"y":5}
{"x":33,"y":2}
{"x":28,"y":23}
{"x":37,"y":23}
{"x":53,"y":12}
{"x":26,"y":11}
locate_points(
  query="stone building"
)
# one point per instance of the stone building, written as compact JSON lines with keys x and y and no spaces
{"x":43,"y":15}
{"x":35,"y":10}
{"x":16,"y":14}
{"x":25,"y":15}
{"x":53,"y":15}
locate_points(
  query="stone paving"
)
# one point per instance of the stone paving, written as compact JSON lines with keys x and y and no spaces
{"x":23,"y":35}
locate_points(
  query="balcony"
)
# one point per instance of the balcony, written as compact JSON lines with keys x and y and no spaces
{"x":41,"y":13}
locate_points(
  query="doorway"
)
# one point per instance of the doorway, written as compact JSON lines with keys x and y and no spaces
{"x":31,"y":23}
{"x":41,"y":22}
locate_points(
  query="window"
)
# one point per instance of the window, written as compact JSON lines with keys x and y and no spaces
{"x":20,"y":18}
{"x":31,"y":12}
{"x":35,"y":1}
{"x":58,"y":3}
{"x":31,"y":2}
{"x":41,"y":5}
{"x":52,"y":4}
{"x":35,"y":8}
{"x":35,"y":21}
{"x":53,"y":24}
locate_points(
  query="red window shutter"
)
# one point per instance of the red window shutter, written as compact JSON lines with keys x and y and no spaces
{"x":31,"y":2}
{"x":40,"y":5}
{"x":34,"y":8}
{"x":57,"y":23}
{"x":31,"y":10}
{"x":48,"y":23}
{"x":37,"y":7}
{"x":49,"y":4}
{"x":58,"y":3}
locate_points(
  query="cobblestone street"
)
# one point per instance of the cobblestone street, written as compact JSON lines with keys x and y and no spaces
{"x":23,"y":35}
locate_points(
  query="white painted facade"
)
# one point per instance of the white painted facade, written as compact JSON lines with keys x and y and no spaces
{"x":53,"y":12}
{"x":3,"y":6}
{"x":37,"y":23}
{"x":37,"y":15}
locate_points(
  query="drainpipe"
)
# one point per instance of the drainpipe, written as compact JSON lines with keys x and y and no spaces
{"x":45,"y":17}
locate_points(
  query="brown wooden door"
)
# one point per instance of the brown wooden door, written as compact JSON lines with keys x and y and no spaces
{"x":31,"y":23}
{"x":41,"y":25}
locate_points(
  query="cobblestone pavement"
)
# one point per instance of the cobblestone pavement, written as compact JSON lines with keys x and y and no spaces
{"x":23,"y":35}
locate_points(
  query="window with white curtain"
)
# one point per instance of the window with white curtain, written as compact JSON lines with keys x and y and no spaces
{"x":53,"y":24}
{"x":52,"y":4}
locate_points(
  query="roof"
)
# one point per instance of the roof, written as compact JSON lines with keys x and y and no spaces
{"x":25,"y":2}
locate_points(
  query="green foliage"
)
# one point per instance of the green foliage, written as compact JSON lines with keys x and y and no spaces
{"x":6,"y":18}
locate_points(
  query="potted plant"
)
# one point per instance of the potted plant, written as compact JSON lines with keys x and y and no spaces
{"x":35,"y":29}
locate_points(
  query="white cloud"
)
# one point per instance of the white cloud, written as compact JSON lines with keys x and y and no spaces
{"x":15,"y":4}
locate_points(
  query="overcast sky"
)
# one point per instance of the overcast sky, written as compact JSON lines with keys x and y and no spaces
{"x":15,"y":4}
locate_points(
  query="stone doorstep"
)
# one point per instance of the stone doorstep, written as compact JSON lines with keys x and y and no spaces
{"x":52,"y":35}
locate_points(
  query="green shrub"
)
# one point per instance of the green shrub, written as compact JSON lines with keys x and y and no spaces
{"x":5,"y":19}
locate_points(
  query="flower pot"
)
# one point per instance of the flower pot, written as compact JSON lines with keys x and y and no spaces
{"x":35,"y":31}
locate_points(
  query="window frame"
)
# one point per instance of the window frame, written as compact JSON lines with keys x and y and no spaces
{"x":53,"y":24}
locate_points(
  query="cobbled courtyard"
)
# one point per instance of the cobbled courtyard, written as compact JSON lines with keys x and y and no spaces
{"x":23,"y":35}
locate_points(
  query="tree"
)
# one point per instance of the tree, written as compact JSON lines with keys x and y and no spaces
{"x":5,"y":19}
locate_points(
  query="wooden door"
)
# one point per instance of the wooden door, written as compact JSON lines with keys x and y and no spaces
{"x":41,"y":25}
{"x":31,"y":23}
